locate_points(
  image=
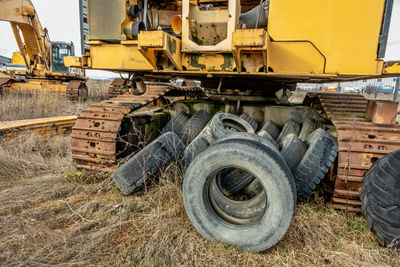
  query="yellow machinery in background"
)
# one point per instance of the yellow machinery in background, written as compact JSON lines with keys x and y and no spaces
{"x":39,"y":64}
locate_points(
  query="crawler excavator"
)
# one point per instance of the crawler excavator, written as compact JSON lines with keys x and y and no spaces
{"x":248,"y":56}
{"x":39,"y":64}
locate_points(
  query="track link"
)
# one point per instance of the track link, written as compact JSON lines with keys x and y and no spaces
{"x":361,"y":142}
{"x":115,"y":88}
{"x":77,"y":91}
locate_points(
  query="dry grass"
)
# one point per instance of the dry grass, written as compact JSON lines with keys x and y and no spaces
{"x":47,"y":218}
{"x":31,"y":106}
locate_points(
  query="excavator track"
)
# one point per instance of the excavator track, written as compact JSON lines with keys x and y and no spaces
{"x":77,"y":91}
{"x":97,"y":134}
{"x":115,"y":88}
{"x":361,"y":142}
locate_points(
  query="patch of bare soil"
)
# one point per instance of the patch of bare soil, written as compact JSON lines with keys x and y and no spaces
{"x":51,"y":214}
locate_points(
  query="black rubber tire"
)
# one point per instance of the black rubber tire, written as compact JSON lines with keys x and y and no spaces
{"x":222,"y":124}
{"x":293,"y":150}
{"x":269,"y":229}
{"x":320,"y":155}
{"x":271,"y":128}
{"x":252,"y":122}
{"x":232,"y":181}
{"x":266,"y":135}
{"x":193,"y":150}
{"x":253,"y":189}
{"x":249,"y":209}
{"x":262,"y":144}
{"x":320,"y":132}
{"x":176,"y":124}
{"x":308,"y":127}
{"x":290,"y":127}
{"x":194,"y":126}
{"x":148,"y":162}
{"x":380,"y":198}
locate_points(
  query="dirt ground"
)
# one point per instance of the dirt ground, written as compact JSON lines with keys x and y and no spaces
{"x":53,"y":215}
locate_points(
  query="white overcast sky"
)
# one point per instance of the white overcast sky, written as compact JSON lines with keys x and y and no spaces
{"x":61,"y":18}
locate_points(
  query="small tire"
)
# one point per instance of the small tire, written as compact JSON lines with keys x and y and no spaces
{"x":232,"y":181}
{"x":380,"y":198}
{"x":252,"y":122}
{"x":176,"y":124}
{"x":223,"y":124}
{"x":249,"y":209}
{"x":317,"y":160}
{"x":193,"y":150}
{"x":308,"y":127}
{"x":148,"y":162}
{"x":271,"y":226}
{"x":290,"y":127}
{"x":262,"y":144}
{"x":293,"y":151}
{"x":194,"y":126}
{"x":266,"y":135}
{"x":271,"y":128}
{"x":253,"y":189}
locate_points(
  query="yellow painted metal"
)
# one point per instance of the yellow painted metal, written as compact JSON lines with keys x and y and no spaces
{"x":346,"y":32}
{"x":34,"y":51}
{"x":18,"y":59}
{"x":37,"y":86}
{"x":330,"y":40}
{"x":392,"y":68}
{"x":295,"y":58}
{"x":117,"y":57}
{"x":44,"y":126}
{"x":153,"y":42}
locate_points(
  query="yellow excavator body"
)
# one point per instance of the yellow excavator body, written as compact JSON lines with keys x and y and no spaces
{"x":38,"y":66}
{"x":332,"y":40}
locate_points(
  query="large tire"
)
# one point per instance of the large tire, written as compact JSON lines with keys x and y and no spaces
{"x":293,"y":150}
{"x":270,"y":227}
{"x":320,"y":155}
{"x":380,"y":197}
{"x":223,"y":124}
{"x":271,"y":128}
{"x":290,"y":127}
{"x":194,"y":126}
{"x":148,"y":162}
{"x":176,"y":124}
{"x":252,"y":122}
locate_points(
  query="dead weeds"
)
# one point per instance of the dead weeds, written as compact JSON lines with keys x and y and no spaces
{"x":46,"y":219}
{"x":36,"y":105}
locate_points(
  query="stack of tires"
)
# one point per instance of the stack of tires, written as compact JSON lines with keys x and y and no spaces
{"x":242,"y":181}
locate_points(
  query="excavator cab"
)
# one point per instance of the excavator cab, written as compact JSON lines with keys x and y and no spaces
{"x":59,"y":50}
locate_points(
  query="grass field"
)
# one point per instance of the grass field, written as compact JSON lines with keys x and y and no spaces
{"x":53,"y":215}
